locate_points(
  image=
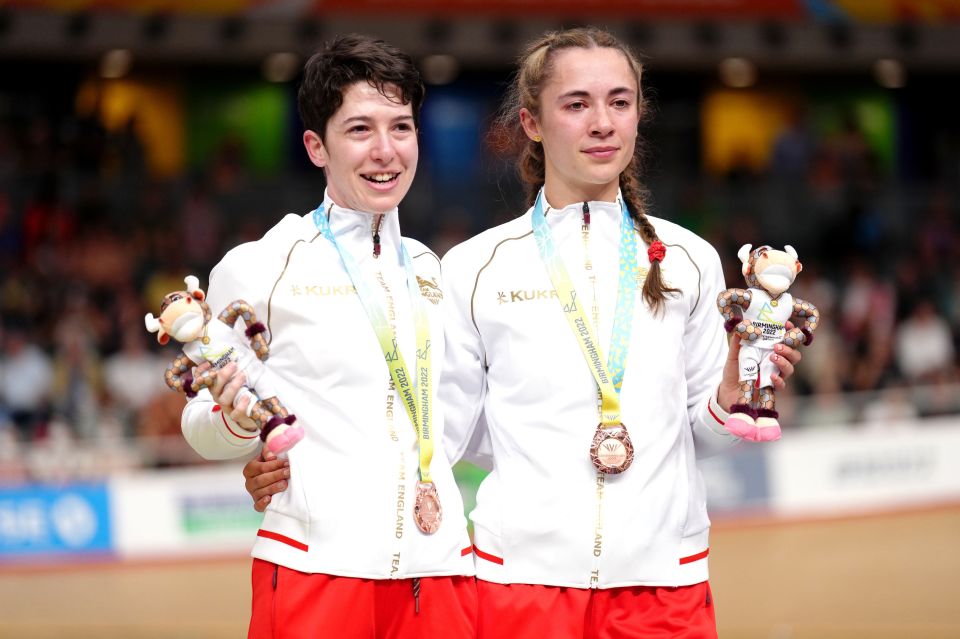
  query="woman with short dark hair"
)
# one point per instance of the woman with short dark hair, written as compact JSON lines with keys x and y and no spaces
{"x":367,"y":538}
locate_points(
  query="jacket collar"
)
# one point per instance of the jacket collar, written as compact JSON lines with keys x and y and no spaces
{"x":355,"y":231}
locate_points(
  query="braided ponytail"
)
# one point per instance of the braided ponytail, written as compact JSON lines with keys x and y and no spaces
{"x":532,"y":166}
{"x":655,"y":290}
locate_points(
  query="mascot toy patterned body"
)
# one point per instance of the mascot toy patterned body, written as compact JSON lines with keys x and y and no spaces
{"x":759,"y":314}
{"x":185,"y":317}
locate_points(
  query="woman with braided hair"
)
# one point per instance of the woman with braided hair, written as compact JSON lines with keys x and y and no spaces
{"x":584,"y":354}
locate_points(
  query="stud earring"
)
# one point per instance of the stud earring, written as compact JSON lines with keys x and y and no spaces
{"x":537,"y":138}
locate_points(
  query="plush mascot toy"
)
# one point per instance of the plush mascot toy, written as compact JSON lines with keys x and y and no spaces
{"x":185,"y":317}
{"x":759,"y":315}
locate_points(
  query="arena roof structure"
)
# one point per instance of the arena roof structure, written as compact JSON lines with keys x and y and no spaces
{"x":808,"y":34}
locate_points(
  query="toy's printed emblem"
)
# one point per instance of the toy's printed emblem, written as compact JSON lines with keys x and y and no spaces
{"x":430,"y":289}
{"x":766,"y":313}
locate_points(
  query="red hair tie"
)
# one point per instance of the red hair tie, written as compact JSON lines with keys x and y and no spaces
{"x":656,"y":252}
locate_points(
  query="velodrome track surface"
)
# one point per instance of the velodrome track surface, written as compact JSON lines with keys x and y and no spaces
{"x":882,"y":576}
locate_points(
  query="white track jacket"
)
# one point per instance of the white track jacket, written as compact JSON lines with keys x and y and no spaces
{"x":348,"y":507}
{"x":544,"y":515}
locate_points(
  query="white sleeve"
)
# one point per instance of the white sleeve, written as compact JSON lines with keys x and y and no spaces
{"x":706,"y":347}
{"x":206,"y":428}
{"x":212,"y":434}
{"x":463,"y":380}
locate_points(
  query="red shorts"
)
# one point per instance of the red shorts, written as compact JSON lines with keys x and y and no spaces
{"x":288,"y":605}
{"x":522,"y":611}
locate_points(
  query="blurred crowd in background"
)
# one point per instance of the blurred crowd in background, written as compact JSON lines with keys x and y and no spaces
{"x":91,"y":239}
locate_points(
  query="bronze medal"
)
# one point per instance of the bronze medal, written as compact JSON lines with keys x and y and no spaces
{"x":427,"y":513}
{"x":612,"y":450}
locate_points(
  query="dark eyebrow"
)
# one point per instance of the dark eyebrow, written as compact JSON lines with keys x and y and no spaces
{"x":366,"y":119}
{"x":574,"y":94}
{"x":580,"y":93}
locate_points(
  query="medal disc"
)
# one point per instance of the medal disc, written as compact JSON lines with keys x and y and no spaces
{"x":612,"y":450}
{"x":427,"y":513}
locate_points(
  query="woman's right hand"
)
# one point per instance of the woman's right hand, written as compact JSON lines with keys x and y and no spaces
{"x":265,"y":476}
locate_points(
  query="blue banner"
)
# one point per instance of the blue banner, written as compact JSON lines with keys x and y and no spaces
{"x":68,"y":519}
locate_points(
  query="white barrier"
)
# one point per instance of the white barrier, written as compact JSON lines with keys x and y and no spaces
{"x":849,"y":470}
{"x":196,"y":511}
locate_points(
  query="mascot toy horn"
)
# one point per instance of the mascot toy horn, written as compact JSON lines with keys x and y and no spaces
{"x":764,"y":309}
{"x":185,"y":317}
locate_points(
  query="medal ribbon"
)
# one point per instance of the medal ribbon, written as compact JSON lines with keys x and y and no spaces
{"x":410,"y":389}
{"x":609,"y":377}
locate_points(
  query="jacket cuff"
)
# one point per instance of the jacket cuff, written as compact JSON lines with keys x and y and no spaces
{"x":716,"y":416}
{"x":231,"y":430}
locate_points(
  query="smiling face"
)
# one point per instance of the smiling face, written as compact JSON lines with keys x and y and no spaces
{"x":588,"y":117}
{"x":369,"y":150}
